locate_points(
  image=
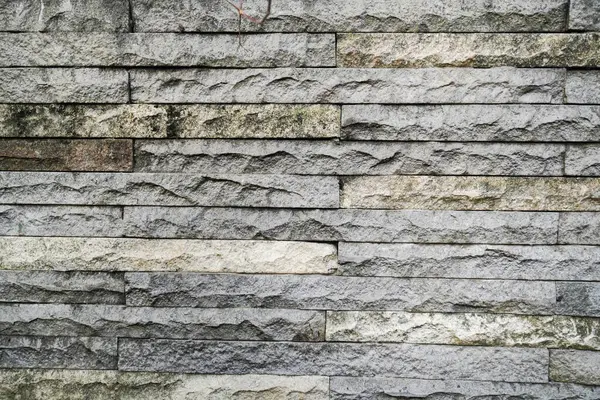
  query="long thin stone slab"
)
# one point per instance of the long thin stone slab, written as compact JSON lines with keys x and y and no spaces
{"x":584,"y":15}
{"x":345,"y":388}
{"x":212,"y":256}
{"x":61,"y":287}
{"x":506,"y":123}
{"x":354,"y":15}
{"x":582,"y":87}
{"x":342,"y":85}
{"x":58,"y":352}
{"x":60,"y":221}
{"x":169,"y":190}
{"x":117,"y":385}
{"x":78,"y":49}
{"x":176,"y":323}
{"x":66,"y":155}
{"x":583,"y":160}
{"x":338,"y":293}
{"x":464,"y":329}
{"x":579,"y":228}
{"x":575,"y":366}
{"x":412,"y":361}
{"x":578,"y":298}
{"x":565,"y":263}
{"x":63,"y":85}
{"x":348,"y":158}
{"x":342,"y":225}
{"x":480,"y":50}
{"x":470,"y":193}
{"x":60,"y":16}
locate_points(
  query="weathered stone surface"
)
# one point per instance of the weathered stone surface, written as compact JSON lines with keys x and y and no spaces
{"x":470,"y":193}
{"x":59,"y":15}
{"x":338,"y":293}
{"x":341,"y":85}
{"x":464,"y":329}
{"x":342,"y":225}
{"x":470,"y":261}
{"x":583,"y":160}
{"x":182,"y":323}
{"x":66,"y":155}
{"x":218,"y":256}
{"x":481,"y":50}
{"x":575,"y":366}
{"x":348,"y":158}
{"x":583,"y":87}
{"x":61,"y":287}
{"x":60,"y":221}
{"x":527,"y":123}
{"x":584,"y":15}
{"x":147,"y":49}
{"x":63,"y":85}
{"x":354,"y":15}
{"x":58,"y":352}
{"x":116,"y":385}
{"x":579,"y":228}
{"x":344,"y":388}
{"x":86,"y":121}
{"x":412,"y":361}
{"x":578,"y":298}
{"x":169,"y":189}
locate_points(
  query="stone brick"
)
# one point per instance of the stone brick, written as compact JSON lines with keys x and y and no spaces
{"x":584,"y":15}
{"x":63,"y":85}
{"x":348,"y":158}
{"x":583,"y":160}
{"x":338,"y":293}
{"x":578,"y":298}
{"x":480,"y":50}
{"x":218,"y":256}
{"x":411,"y":361}
{"x":66,"y":155}
{"x":575,"y":366}
{"x":179,"y":323}
{"x":341,"y":85}
{"x":583,"y":87}
{"x":169,"y":189}
{"x":470,"y":261}
{"x":471,"y":193}
{"x":579,"y":228}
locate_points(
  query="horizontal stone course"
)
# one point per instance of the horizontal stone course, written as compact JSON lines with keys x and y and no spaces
{"x":578,"y":298}
{"x":584,"y":15}
{"x":575,"y":366}
{"x":338,"y":293}
{"x":579,"y":228}
{"x":583,"y":87}
{"x":120,"y":254}
{"x":342,"y":85}
{"x":582,"y":160}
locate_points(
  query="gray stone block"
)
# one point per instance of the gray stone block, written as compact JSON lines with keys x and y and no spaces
{"x":578,"y":298}
{"x":583,"y":160}
{"x":338,"y":293}
{"x":342,"y":85}
{"x":575,"y":366}
{"x":579,"y":228}
{"x":583,"y":87}
{"x":584,"y":15}
{"x":411,"y":361}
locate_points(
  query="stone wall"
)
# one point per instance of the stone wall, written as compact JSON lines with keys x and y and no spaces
{"x":357,"y":199}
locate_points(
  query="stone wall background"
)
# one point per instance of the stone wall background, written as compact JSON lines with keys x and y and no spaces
{"x":356,"y":200}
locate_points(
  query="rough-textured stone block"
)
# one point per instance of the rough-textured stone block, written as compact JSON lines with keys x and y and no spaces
{"x":354,"y":15}
{"x":340,"y":85}
{"x":481,"y":50}
{"x":218,"y":256}
{"x":583,"y":87}
{"x":60,"y":221}
{"x":470,"y":193}
{"x":60,"y":15}
{"x":66,"y":155}
{"x":579,"y":228}
{"x":58,"y":352}
{"x":348,"y":158}
{"x":464,"y":329}
{"x":61,"y":287}
{"x":470,"y":261}
{"x":584,"y":15}
{"x":63,"y":85}
{"x":342,"y":225}
{"x":412,"y":361}
{"x":578,"y":298}
{"x":180,"y":323}
{"x":575,"y":366}
{"x":345,"y":388}
{"x":147,"y":50}
{"x":169,"y":190}
{"x":335,"y":292}
{"x":114,"y":385}
{"x":583,"y":160}
{"x":511,"y":123}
